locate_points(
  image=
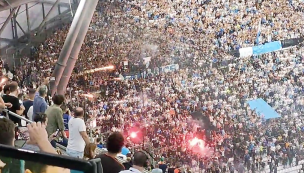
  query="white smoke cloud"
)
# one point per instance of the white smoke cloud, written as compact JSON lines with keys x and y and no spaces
{"x":200,"y":147}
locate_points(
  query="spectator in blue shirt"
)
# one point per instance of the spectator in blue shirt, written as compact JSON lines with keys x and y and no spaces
{"x":66,"y":116}
{"x":99,"y":142}
{"x":39,"y":104}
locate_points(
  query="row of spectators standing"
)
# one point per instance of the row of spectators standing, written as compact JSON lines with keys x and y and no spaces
{"x":78,"y":144}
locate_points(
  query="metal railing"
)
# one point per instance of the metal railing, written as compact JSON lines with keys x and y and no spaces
{"x":61,"y":147}
{"x":8,"y":112}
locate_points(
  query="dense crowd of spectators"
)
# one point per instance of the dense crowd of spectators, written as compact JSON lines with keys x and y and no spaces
{"x":196,"y":35}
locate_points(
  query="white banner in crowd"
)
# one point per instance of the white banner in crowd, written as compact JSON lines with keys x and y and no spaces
{"x":169,"y":68}
{"x":246,"y":52}
{"x":163,"y":69}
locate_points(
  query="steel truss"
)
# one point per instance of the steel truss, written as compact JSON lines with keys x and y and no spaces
{"x":14,"y":7}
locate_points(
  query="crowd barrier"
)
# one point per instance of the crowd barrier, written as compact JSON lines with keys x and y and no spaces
{"x":7,"y":113}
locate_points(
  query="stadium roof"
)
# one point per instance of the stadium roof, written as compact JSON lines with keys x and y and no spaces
{"x":26,"y":17}
{"x":9,"y":4}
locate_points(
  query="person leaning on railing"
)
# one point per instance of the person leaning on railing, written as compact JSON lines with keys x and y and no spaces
{"x":13,"y":99}
{"x":5,"y":91}
{"x":4,"y":105}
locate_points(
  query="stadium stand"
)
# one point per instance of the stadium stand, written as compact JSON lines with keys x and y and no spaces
{"x":196,"y":85}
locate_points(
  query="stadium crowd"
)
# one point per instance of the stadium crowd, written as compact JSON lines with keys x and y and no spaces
{"x":140,"y":37}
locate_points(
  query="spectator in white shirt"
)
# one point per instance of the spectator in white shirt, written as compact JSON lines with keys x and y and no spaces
{"x":30,"y":113}
{"x":156,"y":169}
{"x":140,"y":162}
{"x":78,"y":136}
